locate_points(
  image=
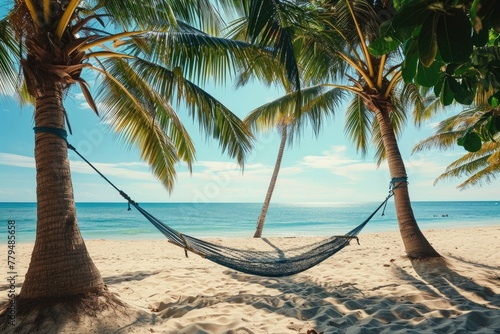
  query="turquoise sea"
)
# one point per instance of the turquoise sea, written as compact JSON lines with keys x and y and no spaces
{"x":114,"y":221}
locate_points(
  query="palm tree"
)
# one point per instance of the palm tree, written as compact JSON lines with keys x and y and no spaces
{"x":339,"y":48}
{"x":379,"y":105}
{"x":61,"y":42}
{"x":315,"y":104}
{"x":281,"y":114}
{"x":273,"y":26}
{"x":282,"y":128}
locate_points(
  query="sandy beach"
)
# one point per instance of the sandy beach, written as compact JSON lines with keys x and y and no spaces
{"x":366,"y":288}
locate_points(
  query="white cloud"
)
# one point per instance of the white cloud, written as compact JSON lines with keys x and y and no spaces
{"x":15,"y":160}
{"x":216,"y":166}
{"x":81,"y":101}
{"x":133,"y":170}
{"x":79,"y":97}
{"x":424,"y":167}
{"x":122,"y":170}
{"x":337,"y":162}
{"x":285,"y":171}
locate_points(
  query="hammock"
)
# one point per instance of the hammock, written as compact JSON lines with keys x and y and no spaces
{"x":274,"y":263}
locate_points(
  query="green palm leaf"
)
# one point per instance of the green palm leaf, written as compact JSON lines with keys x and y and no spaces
{"x":213,"y":117}
{"x":144,"y":118}
{"x":271,"y":114}
{"x":271,"y":24}
{"x":317,"y":57}
{"x":317,"y":105}
{"x":481,"y":167}
{"x":9,"y":52}
{"x":400,"y":105}
{"x":378,"y":143}
{"x":320,"y":108}
{"x":443,"y":140}
{"x":358,"y":124}
{"x":198,"y":56}
{"x":161,"y":14}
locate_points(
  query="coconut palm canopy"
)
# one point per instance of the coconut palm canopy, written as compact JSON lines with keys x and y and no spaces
{"x":112,"y":41}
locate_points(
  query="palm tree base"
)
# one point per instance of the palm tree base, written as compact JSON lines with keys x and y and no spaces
{"x":424,"y":255}
{"x":101,"y":310}
{"x":416,"y":245}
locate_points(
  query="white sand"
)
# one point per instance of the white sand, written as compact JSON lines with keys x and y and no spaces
{"x":370,"y":288}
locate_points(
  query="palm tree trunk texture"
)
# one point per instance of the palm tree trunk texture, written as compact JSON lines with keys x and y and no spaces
{"x":60,"y":264}
{"x":415,"y":243}
{"x":272,"y":183}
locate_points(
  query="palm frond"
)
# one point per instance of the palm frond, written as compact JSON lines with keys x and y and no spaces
{"x":378,"y":143}
{"x":66,"y":17}
{"x":356,"y":24}
{"x":441,"y":141}
{"x":161,"y":14}
{"x":237,"y":29}
{"x":214,"y":119}
{"x":399,"y":114}
{"x":475,"y":166}
{"x":318,"y":59}
{"x":432,"y":106}
{"x":320,"y":108}
{"x":318,"y":104}
{"x":198,"y":56}
{"x":364,"y":14}
{"x":449,"y":130}
{"x":9,"y":55}
{"x":265,"y":74}
{"x":271,"y":114}
{"x":459,"y":122}
{"x":469,"y":159}
{"x":272,"y":24}
{"x":232,"y":9}
{"x":143,"y":117}
{"x":358,"y":124}
{"x":423,"y":107}
{"x":482,"y":177}
{"x":479,"y":167}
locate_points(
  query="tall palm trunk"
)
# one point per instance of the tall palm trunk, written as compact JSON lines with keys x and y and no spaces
{"x":415,"y":243}
{"x":272,"y":183}
{"x":60,"y":264}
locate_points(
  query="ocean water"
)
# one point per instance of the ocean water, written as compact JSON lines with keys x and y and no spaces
{"x":114,"y":221}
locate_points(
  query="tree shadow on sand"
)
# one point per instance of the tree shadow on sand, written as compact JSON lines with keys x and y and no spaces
{"x":130,"y":276}
{"x":463,"y":290}
{"x":476,"y":304}
{"x":433,"y":298}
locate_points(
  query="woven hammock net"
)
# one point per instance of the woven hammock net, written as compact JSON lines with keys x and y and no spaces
{"x":268,"y":263}
{"x":276,"y":263}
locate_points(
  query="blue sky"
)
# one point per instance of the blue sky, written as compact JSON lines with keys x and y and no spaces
{"x":323,"y":169}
